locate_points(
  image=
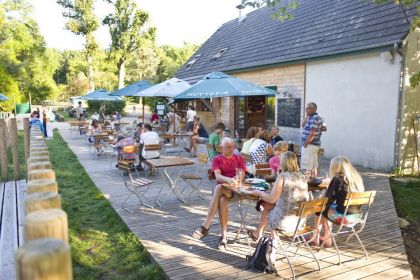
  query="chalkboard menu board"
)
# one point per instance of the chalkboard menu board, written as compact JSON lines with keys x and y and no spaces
{"x":288,"y":112}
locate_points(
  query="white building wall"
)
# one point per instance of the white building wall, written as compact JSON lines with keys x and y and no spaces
{"x":357,"y":96}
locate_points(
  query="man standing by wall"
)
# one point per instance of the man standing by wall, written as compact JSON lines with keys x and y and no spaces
{"x":311,"y":138}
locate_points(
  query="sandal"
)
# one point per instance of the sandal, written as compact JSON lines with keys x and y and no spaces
{"x":251,"y":235}
{"x":200,"y":233}
{"x":222,"y":242}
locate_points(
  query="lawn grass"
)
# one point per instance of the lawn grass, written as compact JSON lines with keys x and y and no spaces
{"x":406,"y":198}
{"x":102,"y":245}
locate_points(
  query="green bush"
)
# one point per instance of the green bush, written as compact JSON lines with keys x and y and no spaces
{"x":110,"y":106}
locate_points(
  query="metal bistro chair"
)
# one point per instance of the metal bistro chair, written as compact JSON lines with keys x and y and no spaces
{"x":166,"y":146}
{"x":364,"y":200}
{"x":133,"y":185}
{"x":195,"y":179}
{"x":297,"y":237}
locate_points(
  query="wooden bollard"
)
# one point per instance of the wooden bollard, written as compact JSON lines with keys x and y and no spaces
{"x":42,"y":185}
{"x":49,"y":223}
{"x":41,"y":174}
{"x":42,"y":200}
{"x":39,"y":149}
{"x":39,"y":165}
{"x":32,"y":159}
{"x":38,"y":153}
{"x":44,"y":259}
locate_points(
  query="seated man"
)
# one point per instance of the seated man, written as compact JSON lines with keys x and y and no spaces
{"x":224,"y":167}
{"x":199,"y":136}
{"x":148,"y":137}
{"x":214,"y":140}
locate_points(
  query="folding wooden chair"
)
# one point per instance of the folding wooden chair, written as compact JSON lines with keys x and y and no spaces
{"x":152,"y":148}
{"x":298,"y":236}
{"x":364,"y":200}
{"x":133,"y":185}
{"x":195,"y":179}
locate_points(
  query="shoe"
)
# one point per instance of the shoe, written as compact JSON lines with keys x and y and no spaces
{"x":139,"y":168}
{"x":200,"y":233}
{"x":251,"y":235}
{"x":116,"y":165}
{"x":187,"y":149}
{"x":222,"y":242}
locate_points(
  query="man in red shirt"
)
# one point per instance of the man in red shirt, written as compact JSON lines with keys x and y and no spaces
{"x":224,"y":167}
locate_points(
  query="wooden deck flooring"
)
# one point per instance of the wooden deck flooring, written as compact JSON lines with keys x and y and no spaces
{"x":165,"y":232}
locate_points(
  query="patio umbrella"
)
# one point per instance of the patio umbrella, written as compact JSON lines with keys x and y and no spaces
{"x":3,"y":97}
{"x":133,"y":89}
{"x":168,"y":88}
{"x":218,"y":84}
{"x":100,"y":95}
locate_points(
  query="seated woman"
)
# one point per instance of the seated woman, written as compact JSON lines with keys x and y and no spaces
{"x":275,"y":163}
{"x":260,"y":149}
{"x":345,"y":180}
{"x":289,"y":191}
{"x":94,"y":128}
{"x":199,"y":136}
{"x":224,"y":167}
{"x":251,"y":135}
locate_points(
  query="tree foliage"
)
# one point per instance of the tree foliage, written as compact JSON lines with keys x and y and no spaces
{"x":128,"y":33}
{"x":83,"y":21}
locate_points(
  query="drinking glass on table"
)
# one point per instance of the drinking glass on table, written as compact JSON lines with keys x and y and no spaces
{"x":239,"y":175}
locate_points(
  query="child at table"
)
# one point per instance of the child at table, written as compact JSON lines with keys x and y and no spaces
{"x":275,"y":163}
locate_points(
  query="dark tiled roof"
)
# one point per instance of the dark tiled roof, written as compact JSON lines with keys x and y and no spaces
{"x":320,"y":28}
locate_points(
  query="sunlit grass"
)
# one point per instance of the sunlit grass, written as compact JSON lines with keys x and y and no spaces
{"x":102,"y":245}
{"x":406,"y":198}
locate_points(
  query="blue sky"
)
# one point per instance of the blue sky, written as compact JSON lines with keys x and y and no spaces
{"x":177,"y":21}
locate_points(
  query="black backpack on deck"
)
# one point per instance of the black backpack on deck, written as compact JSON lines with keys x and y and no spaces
{"x":261,"y":259}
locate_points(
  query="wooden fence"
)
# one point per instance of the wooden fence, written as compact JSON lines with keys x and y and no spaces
{"x":45,"y":253}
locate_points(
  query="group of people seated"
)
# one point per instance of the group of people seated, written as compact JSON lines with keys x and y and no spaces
{"x":278,"y":206}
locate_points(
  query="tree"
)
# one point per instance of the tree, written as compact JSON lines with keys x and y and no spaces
{"x":128,"y":33}
{"x":284,"y":11}
{"x":83,"y":22}
{"x":171,"y":59}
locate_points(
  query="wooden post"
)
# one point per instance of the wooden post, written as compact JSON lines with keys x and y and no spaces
{"x":41,"y":174}
{"x":32,"y":159}
{"x":44,"y":259}
{"x":39,"y":153}
{"x":15,"y":152}
{"x":3,"y":150}
{"x":42,"y":200}
{"x":26,"y":139}
{"x":39,"y":165}
{"x":49,"y":223}
{"x":42,"y":185}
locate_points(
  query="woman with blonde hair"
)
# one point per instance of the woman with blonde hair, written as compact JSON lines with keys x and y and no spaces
{"x":251,"y":135}
{"x":275,"y":163}
{"x":345,"y":179}
{"x":279,"y":206}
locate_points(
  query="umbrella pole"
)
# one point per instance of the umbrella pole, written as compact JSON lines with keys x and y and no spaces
{"x":142,"y":102}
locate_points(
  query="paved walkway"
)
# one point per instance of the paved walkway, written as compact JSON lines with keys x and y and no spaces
{"x":165,"y":232}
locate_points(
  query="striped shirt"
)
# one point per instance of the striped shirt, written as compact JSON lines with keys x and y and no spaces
{"x":313,"y":122}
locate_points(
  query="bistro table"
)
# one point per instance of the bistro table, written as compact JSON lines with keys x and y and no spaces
{"x":242,"y":193}
{"x":162,"y":164}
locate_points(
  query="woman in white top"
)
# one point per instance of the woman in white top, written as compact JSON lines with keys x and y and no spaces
{"x":190,"y":118}
{"x":260,"y":149}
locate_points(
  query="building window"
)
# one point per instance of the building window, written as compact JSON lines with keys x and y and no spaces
{"x":219,"y":54}
{"x":192,"y":61}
